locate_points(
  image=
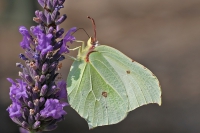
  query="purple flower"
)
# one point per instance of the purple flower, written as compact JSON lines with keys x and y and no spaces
{"x":14,"y":110}
{"x":68,"y":37}
{"x":62,"y":94}
{"x":17,"y":90}
{"x":53,"y":108}
{"x":36,"y":97}
{"x":27,"y":39}
{"x":44,"y":40}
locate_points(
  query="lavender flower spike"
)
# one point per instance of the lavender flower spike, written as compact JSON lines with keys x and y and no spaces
{"x":36,"y":97}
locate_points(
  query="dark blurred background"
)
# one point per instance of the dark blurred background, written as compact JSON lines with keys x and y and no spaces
{"x":163,"y":35}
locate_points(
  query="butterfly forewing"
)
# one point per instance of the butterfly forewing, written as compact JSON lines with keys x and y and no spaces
{"x":141,"y":84}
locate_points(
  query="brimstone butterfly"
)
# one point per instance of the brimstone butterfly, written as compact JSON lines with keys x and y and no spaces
{"x":104,"y":84}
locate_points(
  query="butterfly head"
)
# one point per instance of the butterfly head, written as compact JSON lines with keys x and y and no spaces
{"x":92,"y":42}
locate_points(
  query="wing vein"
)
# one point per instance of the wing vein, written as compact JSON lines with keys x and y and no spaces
{"x":105,"y":80}
{"x":79,"y":84}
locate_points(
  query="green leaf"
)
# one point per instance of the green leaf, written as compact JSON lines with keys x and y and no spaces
{"x":104,"y":85}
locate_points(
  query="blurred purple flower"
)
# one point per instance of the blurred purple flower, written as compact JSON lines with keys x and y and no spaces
{"x":14,"y":110}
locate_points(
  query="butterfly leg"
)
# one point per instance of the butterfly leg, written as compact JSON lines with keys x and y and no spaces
{"x":80,"y":49}
{"x":82,"y":46}
{"x":73,"y":49}
{"x":83,"y":43}
{"x":72,"y":58}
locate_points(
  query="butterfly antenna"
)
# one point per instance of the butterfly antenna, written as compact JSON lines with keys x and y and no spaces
{"x":94,"y":26}
{"x":83,"y":30}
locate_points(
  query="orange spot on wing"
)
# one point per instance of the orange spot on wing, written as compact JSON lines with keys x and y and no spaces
{"x":128,"y":71}
{"x":105,"y":94}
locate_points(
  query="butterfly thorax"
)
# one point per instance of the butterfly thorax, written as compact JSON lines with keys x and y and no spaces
{"x":85,"y":51}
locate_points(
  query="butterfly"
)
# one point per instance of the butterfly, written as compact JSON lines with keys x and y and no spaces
{"x":104,"y":84}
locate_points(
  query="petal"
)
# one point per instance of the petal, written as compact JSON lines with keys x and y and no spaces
{"x":47,"y":49}
{"x":25,"y":43}
{"x":68,"y":37}
{"x":11,"y":81}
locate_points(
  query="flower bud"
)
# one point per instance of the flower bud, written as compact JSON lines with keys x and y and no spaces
{"x":61,"y":2}
{"x":42,"y":17}
{"x":31,"y":119}
{"x":25,"y":125}
{"x":43,"y":90}
{"x":30,"y":105}
{"x":55,"y":3}
{"x":37,"y":117}
{"x":49,"y":4}
{"x":57,"y":45}
{"x":61,"y":19}
{"x":23,"y":57}
{"x":59,"y":33}
{"x":19,"y":65}
{"x":29,"y":79}
{"x":53,"y":66}
{"x":54,"y":15}
{"x":44,"y":68}
{"x":42,"y":2}
{"x":62,"y":57}
{"x":49,"y":21}
{"x":50,"y":30}
{"x":36,"y":125}
{"x":52,"y":90}
{"x":42,"y":101}
{"x":42,"y":79}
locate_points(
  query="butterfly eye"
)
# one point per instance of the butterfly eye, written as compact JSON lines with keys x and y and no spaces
{"x":96,"y":44}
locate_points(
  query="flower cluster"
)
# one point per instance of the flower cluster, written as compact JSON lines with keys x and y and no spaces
{"x":37,"y":97}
